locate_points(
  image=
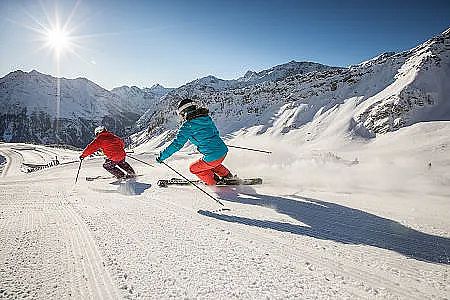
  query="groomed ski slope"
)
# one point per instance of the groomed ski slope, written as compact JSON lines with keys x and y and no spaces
{"x":348,"y":220}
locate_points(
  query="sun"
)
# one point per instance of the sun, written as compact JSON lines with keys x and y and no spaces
{"x":58,"y":39}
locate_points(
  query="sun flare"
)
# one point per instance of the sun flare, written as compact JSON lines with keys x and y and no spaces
{"x":58,"y":39}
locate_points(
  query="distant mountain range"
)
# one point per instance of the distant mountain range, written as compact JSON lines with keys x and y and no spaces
{"x":40,"y":108}
{"x":43,"y":109}
{"x":140,"y":100}
{"x":383,"y":94}
{"x":208,"y":90}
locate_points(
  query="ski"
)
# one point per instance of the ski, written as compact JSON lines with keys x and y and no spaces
{"x":99,"y":177}
{"x":224,"y":182}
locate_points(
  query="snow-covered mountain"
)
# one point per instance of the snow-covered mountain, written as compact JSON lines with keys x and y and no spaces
{"x":419,"y":92}
{"x":277,"y":73}
{"x":43,"y":109}
{"x":140,"y":100}
{"x":283,"y":71}
{"x":383,"y":94}
{"x":161,"y":117}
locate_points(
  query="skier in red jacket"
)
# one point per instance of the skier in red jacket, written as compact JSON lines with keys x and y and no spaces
{"x":113,"y":147}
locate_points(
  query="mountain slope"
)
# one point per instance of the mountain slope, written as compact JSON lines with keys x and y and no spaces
{"x":419,"y":93}
{"x":213,"y":91}
{"x":140,"y":100}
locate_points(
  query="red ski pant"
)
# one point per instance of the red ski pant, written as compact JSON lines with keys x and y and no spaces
{"x":206,"y":170}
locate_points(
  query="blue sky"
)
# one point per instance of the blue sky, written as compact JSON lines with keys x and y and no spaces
{"x":173,"y":42}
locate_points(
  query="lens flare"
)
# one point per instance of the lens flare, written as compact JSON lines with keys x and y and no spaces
{"x":58,"y":40}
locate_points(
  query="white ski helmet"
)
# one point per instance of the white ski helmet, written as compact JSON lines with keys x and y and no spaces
{"x":99,"y":129}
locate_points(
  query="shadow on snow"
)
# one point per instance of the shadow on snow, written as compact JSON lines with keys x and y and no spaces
{"x":127,"y":188}
{"x":331,"y":221}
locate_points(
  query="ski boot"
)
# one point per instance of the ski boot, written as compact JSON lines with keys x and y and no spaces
{"x":229,"y":178}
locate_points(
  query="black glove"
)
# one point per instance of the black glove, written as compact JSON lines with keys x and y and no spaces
{"x":81,"y":158}
{"x":158,"y":159}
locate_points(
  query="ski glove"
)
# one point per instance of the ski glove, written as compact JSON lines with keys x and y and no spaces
{"x":159,"y":160}
{"x":81,"y":158}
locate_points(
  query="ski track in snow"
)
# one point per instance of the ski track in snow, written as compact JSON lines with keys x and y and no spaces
{"x":13,"y":161}
{"x":49,"y":251}
{"x":292,"y":251}
{"x":62,"y":241}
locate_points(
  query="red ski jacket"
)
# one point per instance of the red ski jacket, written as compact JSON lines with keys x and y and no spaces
{"x":111,"y":145}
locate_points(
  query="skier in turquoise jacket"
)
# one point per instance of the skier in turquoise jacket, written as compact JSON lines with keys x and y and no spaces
{"x":200,"y":130}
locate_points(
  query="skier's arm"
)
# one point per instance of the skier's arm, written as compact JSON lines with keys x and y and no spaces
{"x":178,"y":143}
{"x":91,"y":148}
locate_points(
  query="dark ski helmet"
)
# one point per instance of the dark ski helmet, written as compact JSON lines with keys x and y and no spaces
{"x":185,"y":106}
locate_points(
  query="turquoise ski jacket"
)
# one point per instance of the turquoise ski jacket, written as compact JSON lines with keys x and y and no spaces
{"x":203,"y":133}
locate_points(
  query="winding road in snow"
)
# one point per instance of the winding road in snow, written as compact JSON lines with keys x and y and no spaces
{"x":94,"y":240}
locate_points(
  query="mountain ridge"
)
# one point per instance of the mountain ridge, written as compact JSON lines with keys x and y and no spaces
{"x":44,"y":109}
{"x":385,"y":93}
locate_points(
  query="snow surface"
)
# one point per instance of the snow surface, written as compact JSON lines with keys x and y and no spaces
{"x":336,"y":218}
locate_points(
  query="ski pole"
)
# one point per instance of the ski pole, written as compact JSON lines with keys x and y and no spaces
{"x":218,"y":201}
{"x":190,"y":181}
{"x":256,"y":150}
{"x":141,"y":161}
{"x":79,"y":167}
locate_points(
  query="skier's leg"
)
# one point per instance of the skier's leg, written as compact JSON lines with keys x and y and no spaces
{"x":220,"y":169}
{"x":203,"y":171}
{"x":110,"y":166}
{"x":126,"y":167}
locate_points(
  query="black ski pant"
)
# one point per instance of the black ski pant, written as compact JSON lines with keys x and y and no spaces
{"x":112,"y":167}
